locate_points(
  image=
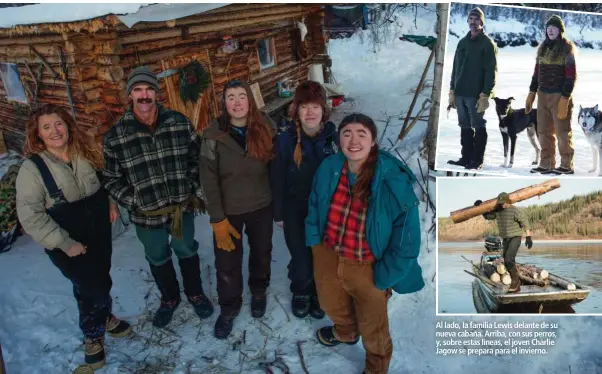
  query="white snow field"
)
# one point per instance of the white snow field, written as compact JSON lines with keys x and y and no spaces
{"x":38,"y":315}
{"x":515,"y":68}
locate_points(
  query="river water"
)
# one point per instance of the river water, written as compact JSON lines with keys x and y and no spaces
{"x":577,"y":261}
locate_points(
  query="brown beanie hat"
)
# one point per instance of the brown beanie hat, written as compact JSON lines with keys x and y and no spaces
{"x":309,"y":92}
{"x":478,"y":13}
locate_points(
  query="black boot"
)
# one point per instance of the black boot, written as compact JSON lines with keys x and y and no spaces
{"x":478,"y":152}
{"x":223,"y":326}
{"x":327,"y":336}
{"x":515,"y":283}
{"x":300,"y":305}
{"x":258,"y":306}
{"x":314,"y":310}
{"x":467,"y":142}
{"x":165,"y":277}
{"x":193,"y":288}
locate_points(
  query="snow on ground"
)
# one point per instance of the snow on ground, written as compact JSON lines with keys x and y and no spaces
{"x":38,"y":316}
{"x":38,"y":323}
{"x":515,"y":68}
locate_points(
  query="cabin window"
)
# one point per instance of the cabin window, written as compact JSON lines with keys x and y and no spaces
{"x":266,"y":49}
{"x":11,"y":79}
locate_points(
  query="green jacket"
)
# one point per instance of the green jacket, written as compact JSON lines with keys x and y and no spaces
{"x":510,"y":222}
{"x":475,"y":66}
{"x":392,"y":224}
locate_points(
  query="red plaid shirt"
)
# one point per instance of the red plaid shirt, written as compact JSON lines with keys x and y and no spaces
{"x":346,"y":226}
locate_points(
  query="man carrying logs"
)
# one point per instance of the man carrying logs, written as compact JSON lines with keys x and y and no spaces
{"x":152,"y":169}
{"x":511,"y":223}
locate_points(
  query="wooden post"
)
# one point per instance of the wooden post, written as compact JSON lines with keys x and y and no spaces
{"x":430,"y":139}
{"x":2,"y":366}
{"x":54,"y":74}
{"x":464,"y":214}
{"x":64,"y":72}
{"x":418,"y":89}
{"x":37,"y":93}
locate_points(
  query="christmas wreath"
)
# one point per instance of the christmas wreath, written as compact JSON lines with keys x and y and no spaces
{"x":194,"y":79}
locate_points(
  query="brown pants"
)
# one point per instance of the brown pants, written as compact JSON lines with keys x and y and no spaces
{"x":549,"y":127}
{"x":350,"y":299}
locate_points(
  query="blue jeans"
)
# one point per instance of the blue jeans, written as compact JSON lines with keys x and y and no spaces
{"x":467,"y":113}
{"x":157,"y":244}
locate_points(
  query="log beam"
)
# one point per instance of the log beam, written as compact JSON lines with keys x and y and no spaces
{"x":464,"y":214}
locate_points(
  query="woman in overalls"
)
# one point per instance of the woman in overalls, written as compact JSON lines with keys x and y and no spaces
{"x":61,"y":204}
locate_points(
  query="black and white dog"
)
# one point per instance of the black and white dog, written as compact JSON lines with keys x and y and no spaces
{"x":512,"y":122}
{"x":590,"y":120}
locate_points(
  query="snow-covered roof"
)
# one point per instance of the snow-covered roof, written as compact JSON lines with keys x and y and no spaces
{"x":129,"y":14}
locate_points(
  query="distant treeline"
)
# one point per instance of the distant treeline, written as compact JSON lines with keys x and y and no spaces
{"x":579,"y":217}
{"x":535,"y":21}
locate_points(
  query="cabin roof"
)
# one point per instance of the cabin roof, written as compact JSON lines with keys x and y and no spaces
{"x":36,"y":18}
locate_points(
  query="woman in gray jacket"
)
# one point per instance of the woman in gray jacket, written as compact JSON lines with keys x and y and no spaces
{"x":61,"y":204}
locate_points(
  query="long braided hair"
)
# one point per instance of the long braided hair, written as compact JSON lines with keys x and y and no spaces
{"x":307,"y":92}
{"x":259,"y":135}
{"x":361,"y":188}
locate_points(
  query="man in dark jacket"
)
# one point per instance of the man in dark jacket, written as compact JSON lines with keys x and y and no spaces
{"x":152,"y":169}
{"x":471,"y":87}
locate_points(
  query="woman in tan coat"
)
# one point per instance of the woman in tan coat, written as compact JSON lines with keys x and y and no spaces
{"x":61,"y":204}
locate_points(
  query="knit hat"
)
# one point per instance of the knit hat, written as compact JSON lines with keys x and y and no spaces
{"x":503,"y":198}
{"x":478,"y":13}
{"x":557,"y":22}
{"x":142,"y":74}
{"x":309,"y":92}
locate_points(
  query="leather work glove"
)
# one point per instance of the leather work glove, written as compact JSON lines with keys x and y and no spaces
{"x":529,"y":102}
{"x":478,"y":202}
{"x":452,"y":99}
{"x":483,"y":103}
{"x":563,"y":108}
{"x":528,"y":242}
{"x":222,"y":231}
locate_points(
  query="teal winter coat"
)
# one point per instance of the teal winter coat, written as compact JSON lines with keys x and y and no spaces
{"x":392,"y":222}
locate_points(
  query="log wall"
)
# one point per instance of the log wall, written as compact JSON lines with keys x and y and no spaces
{"x":98,"y":62}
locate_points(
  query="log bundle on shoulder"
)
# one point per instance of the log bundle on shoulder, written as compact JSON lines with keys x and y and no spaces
{"x":516,"y":196}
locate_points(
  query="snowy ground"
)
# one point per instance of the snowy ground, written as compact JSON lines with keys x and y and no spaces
{"x":38,"y":323}
{"x":515,"y":68}
{"x":38,"y":316}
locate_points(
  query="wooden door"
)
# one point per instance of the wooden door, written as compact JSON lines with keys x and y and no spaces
{"x":205,"y":109}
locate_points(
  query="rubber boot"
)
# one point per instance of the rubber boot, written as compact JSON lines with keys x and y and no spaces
{"x":478,"y":152}
{"x":515,"y":283}
{"x":193,"y":287}
{"x":300,"y":305}
{"x":165,"y":277}
{"x":467,"y":143}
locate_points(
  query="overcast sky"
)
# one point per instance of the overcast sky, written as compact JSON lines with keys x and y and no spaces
{"x":460,"y":192}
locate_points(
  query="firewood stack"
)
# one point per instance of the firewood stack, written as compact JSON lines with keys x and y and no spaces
{"x":528,"y":274}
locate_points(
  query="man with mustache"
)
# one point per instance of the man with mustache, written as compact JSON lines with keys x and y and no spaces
{"x":152,"y":169}
{"x":471,"y":87}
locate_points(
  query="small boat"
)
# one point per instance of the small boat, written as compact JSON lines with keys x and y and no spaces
{"x":493,"y":297}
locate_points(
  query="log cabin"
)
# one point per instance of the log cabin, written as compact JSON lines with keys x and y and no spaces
{"x":83,"y":64}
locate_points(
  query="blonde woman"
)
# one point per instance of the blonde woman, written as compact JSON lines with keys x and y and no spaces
{"x":61,"y":204}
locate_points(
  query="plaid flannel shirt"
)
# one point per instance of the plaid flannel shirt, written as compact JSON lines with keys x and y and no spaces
{"x":145,"y":171}
{"x":346,"y":225}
